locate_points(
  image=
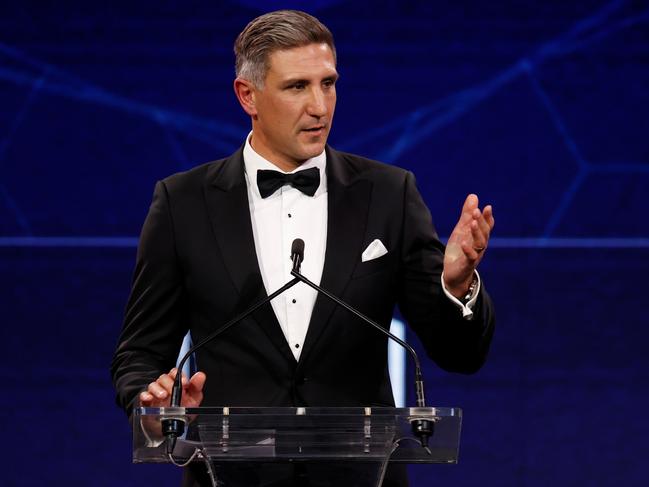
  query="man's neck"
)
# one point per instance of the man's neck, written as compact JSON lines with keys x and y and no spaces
{"x":275,"y":159}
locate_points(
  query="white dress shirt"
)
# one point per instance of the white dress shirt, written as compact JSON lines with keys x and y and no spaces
{"x":277,"y":220}
{"x":282,"y":217}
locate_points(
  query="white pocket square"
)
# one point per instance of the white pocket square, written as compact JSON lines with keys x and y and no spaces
{"x":374,"y":250}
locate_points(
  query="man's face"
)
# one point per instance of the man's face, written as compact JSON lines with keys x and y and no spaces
{"x":295,"y":107}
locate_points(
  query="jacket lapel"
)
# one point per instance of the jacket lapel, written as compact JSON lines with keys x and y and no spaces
{"x":348,"y":203}
{"x":226,"y":196}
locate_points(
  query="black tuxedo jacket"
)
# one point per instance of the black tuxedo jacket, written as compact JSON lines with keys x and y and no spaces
{"x":197,"y":267}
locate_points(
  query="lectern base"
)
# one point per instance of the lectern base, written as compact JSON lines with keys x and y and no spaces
{"x":295,"y":474}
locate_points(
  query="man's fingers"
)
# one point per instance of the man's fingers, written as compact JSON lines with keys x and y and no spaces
{"x":146,"y":398}
{"x":197,"y":382}
{"x":156,"y":390}
{"x":485,"y":219}
{"x":468,"y":241}
{"x":173,"y":373}
{"x":488,"y":214}
{"x":480,"y":240}
{"x":161,"y":388}
{"x":166,"y":381}
{"x":194,"y":391}
{"x":470,"y":203}
{"x":483,"y":225}
{"x":470,"y":252}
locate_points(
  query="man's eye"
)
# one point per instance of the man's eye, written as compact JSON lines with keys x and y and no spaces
{"x":298,"y":86}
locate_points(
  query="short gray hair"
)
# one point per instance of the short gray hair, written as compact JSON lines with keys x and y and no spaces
{"x":282,"y":29}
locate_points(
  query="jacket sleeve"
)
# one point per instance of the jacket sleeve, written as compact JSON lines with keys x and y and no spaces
{"x":455,"y":344}
{"x":153,"y":329}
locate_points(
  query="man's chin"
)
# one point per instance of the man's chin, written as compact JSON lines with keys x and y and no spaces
{"x":313,"y":149}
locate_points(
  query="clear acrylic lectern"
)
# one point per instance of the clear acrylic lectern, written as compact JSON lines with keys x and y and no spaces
{"x":325,"y":444}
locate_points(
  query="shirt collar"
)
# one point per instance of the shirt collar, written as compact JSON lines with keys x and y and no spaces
{"x":253,"y":162}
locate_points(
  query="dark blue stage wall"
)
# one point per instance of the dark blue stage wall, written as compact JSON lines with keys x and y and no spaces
{"x":541,"y":108}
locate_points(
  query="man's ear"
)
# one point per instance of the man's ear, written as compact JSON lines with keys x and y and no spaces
{"x":245,"y":92}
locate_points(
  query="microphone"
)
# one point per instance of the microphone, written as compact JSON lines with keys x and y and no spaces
{"x":421,"y":428}
{"x":173,"y":428}
{"x":297,"y":253}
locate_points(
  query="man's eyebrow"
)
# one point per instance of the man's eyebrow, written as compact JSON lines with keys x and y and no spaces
{"x":305,"y":81}
{"x":292,"y":81}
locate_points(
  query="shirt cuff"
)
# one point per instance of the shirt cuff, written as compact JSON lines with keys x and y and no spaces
{"x":466,"y":308}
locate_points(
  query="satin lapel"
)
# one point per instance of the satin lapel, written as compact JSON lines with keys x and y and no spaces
{"x":226,"y":196}
{"x":348,"y":203}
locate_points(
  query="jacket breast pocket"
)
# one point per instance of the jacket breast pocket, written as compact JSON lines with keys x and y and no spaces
{"x":374,"y":266}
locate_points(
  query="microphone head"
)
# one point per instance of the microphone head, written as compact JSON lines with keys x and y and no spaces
{"x":298,"y":248}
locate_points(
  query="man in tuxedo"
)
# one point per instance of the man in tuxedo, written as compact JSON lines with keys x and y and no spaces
{"x":217,"y":238}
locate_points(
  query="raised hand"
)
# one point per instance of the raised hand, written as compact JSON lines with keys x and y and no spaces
{"x":466,"y":246}
{"x":158,"y":393}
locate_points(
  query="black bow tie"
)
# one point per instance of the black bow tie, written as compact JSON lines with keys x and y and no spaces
{"x":306,"y":181}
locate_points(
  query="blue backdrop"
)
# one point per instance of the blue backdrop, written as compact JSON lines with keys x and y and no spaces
{"x":541,"y":108}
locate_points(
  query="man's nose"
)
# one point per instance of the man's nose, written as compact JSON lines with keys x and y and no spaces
{"x":316,"y":106}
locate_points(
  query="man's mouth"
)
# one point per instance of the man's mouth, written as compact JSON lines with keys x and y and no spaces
{"x":316,"y":129}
